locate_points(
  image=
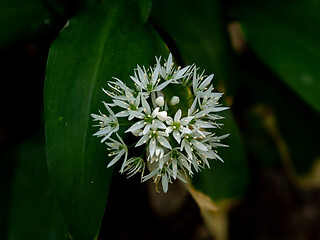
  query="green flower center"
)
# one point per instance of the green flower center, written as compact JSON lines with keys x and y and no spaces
{"x":176,"y":126}
{"x":148,"y":119}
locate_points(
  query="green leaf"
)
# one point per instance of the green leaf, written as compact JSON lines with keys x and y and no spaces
{"x":108,"y":41}
{"x":34,"y":211}
{"x":287,"y":41}
{"x":229,"y":179}
{"x":22,"y":20}
{"x":200,"y":36}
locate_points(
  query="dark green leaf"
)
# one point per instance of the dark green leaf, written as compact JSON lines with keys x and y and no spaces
{"x":198,"y":32}
{"x":229,"y":179}
{"x":285,"y":35}
{"x":22,"y":20}
{"x":93,"y":48}
{"x":34,"y":210}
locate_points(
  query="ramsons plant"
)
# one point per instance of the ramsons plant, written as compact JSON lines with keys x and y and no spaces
{"x":173,"y":143}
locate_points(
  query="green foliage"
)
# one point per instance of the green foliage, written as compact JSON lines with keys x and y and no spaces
{"x":22,"y":20}
{"x":34,"y":213}
{"x":205,"y":42}
{"x":108,"y":41}
{"x":105,"y":39}
{"x":287,"y":41}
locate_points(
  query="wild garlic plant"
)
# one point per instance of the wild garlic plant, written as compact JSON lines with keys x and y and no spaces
{"x":174,"y":142}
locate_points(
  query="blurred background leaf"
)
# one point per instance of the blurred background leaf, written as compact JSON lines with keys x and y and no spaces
{"x":285,"y":36}
{"x":93,"y":47}
{"x":34,"y":213}
{"x":22,"y":20}
{"x":197,"y":33}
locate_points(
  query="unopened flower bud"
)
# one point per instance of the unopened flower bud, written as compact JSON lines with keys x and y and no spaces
{"x":160,"y":101}
{"x":174,"y":100}
{"x":162,"y":116}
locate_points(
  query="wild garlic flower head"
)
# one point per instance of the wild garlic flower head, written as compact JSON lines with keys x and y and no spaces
{"x":168,"y":115}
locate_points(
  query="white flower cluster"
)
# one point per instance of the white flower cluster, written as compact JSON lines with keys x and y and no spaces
{"x":172,"y":142}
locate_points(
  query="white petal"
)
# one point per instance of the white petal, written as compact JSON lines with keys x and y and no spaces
{"x":165,"y":183}
{"x":203,"y":124}
{"x":177,"y":136}
{"x":124,"y":162}
{"x":99,"y":117}
{"x":163,"y":85}
{"x":206,"y":82}
{"x":184,"y":121}
{"x":136,"y":114}
{"x":145,"y":105}
{"x":174,"y":168}
{"x":169,"y":120}
{"x":136,"y":132}
{"x":136,"y":126}
{"x":188,"y":149}
{"x":195,"y":80}
{"x":169,"y":129}
{"x":199,"y":145}
{"x":155,"y":75}
{"x":140,"y":72}
{"x":142,"y":140}
{"x":193,"y":106}
{"x":169,"y":63}
{"x":145,"y":130}
{"x":150,"y":175}
{"x":157,"y":124}
{"x":185,"y":130}
{"x":136,"y":81}
{"x":181,"y":72}
{"x":122,"y":114}
{"x":177,"y":116}
{"x":152,"y":146}
{"x":219,"y":109}
{"x":121,"y":104}
{"x":155,"y":112}
{"x":164,"y":142}
{"x":116,"y":158}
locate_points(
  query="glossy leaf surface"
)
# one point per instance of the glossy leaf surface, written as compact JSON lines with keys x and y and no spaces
{"x":108,"y":41}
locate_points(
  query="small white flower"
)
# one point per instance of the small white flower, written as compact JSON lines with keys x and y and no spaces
{"x":154,"y":138}
{"x":119,"y":149}
{"x":133,"y":166}
{"x":178,"y":126}
{"x":148,"y":119}
{"x":169,"y":73}
{"x":164,"y":174}
{"x":174,"y":100}
{"x":108,"y":125}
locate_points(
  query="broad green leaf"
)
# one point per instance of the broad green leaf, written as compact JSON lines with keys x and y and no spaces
{"x":108,"y":41}
{"x":200,"y":37}
{"x":22,"y":20}
{"x":34,"y":211}
{"x":229,"y":179}
{"x":285,"y":36}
